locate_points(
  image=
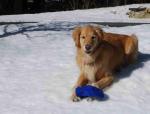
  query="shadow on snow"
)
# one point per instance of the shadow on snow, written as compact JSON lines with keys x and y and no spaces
{"x":23,"y":28}
{"x":127,"y":71}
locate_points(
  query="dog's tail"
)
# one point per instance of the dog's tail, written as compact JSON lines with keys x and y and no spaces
{"x":132,"y":48}
{"x":135,"y":44}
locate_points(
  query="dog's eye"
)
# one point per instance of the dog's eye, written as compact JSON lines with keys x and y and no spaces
{"x":83,"y":37}
{"x":93,"y":37}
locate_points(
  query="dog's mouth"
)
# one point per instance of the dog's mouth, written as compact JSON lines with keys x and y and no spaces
{"x":88,"y":51}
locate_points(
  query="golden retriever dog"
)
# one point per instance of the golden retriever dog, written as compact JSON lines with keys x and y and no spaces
{"x":100,"y":54}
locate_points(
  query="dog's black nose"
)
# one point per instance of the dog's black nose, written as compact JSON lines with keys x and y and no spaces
{"x":88,"y":47}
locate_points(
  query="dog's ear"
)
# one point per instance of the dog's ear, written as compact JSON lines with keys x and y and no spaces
{"x":99,"y":32}
{"x":76,"y":36}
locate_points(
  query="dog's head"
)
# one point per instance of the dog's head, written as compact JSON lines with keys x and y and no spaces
{"x":87,"y":37}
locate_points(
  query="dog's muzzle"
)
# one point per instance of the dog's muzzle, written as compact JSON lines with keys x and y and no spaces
{"x":88,"y":48}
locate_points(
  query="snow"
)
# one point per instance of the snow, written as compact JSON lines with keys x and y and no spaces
{"x":38,"y":69}
{"x":115,"y":14}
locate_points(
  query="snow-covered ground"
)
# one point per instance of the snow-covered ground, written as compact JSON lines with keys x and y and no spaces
{"x":38,"y":69}
{"x":115,"y":14}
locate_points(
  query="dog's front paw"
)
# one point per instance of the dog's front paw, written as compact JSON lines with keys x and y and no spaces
{"x":76,"y":99}
{"x":94,"y":84}
{"x":89,"y":99}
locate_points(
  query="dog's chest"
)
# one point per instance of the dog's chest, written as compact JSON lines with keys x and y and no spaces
{"x":90,"y":68}
{"x":90,"y":71}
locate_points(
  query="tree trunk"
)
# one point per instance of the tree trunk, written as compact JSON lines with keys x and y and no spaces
{"x":18,"y":6}
{"x":39,"y":5}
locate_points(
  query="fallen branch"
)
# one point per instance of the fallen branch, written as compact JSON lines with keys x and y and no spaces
{"x":137,"y":9}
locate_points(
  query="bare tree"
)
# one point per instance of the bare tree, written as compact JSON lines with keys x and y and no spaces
{"x":74,"y":4}
{"x":81,"y":4}
{"x":88,"y":4}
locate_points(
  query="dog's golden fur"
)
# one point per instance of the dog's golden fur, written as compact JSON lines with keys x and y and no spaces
{"x":108,"y":52}
{"x":128,"y":43}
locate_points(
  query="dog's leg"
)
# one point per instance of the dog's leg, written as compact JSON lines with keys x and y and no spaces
{"x":105,"y":81}
{"x":82,"y":80}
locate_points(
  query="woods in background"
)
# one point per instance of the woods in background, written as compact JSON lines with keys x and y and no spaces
{"x":37,"y":6}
